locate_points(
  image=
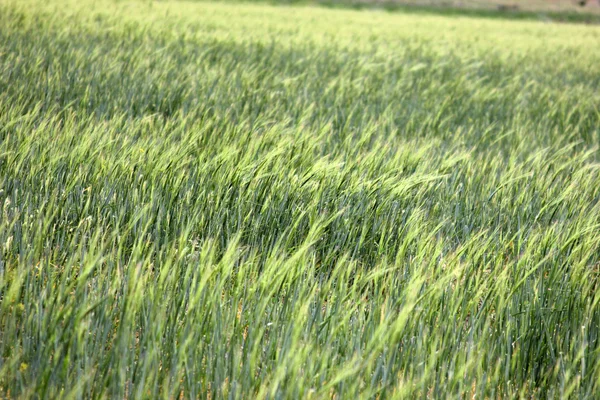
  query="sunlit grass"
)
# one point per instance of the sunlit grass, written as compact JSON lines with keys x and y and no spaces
{"x":215,"y":200}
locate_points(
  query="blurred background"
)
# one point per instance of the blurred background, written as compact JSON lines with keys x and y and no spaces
{"x":566,"y":10}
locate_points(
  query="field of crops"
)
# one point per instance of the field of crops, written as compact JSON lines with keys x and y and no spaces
{"x":248,"y":201}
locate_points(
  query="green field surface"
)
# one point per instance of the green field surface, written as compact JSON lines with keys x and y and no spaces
{"x":219,"y":200}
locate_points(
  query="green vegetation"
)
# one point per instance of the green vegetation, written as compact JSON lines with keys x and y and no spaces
{"x":248,"y":201}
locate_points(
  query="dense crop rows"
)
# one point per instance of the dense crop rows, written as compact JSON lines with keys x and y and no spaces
{"x":213,"y":201}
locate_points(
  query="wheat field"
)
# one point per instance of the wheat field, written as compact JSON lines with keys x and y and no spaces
{"x":221,"y":200}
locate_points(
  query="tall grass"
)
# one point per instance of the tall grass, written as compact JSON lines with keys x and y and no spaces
{"x":227,"y":201}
